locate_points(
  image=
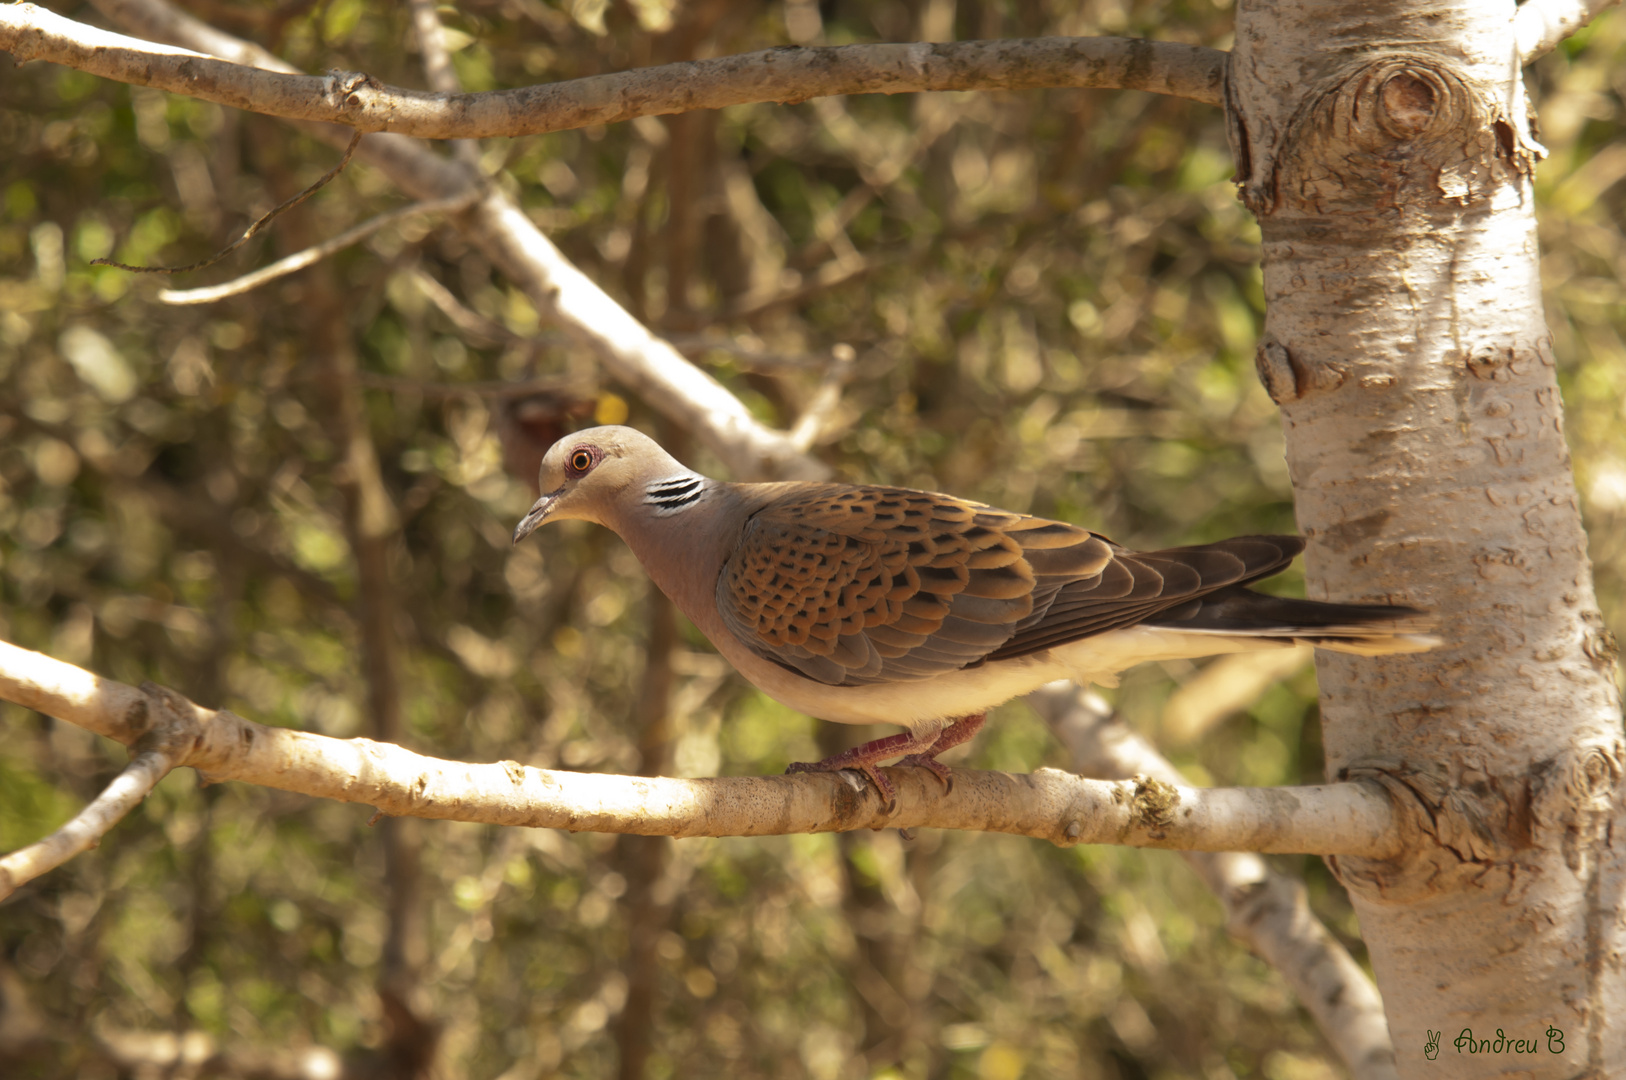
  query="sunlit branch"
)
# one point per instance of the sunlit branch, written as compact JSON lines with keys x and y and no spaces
{"x":788,"y":74}
{"x":1540,"y":25}
{"x":1267,"y":910}
{"x":437,"y":63}
{"x":1349,"y":818}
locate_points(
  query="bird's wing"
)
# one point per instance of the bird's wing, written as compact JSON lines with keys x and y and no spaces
{"x":857,"y":585}
{"x":1137,"y":586}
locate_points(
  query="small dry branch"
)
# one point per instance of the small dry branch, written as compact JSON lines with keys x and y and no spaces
{"x":88,"y":826}
{"x":248,"y":233}
{"x":787,"y":74}
{"x":300,"y":259}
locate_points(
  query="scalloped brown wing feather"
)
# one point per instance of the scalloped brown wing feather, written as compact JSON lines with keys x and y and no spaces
{"x":1140,"y":586}
{"x":857,"y":585}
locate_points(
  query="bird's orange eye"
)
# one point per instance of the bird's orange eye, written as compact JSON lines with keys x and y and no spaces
{"x":583,"y":459}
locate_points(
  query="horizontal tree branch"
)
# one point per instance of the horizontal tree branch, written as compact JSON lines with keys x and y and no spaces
{"x":1350,"y":818}
{"x":787,"y":74}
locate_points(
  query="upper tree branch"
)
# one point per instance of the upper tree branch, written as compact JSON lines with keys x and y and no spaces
{"x":1347,"y":818}
{"x":1540,"y":25}
{"x":788,"y":74}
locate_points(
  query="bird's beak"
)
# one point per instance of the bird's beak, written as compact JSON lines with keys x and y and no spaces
{"x":539,"y":511}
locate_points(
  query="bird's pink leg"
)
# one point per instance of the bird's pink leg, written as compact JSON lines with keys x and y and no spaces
{"x":962,"y":730}
{"x":914,"y":750}
{"x":863,"y":758}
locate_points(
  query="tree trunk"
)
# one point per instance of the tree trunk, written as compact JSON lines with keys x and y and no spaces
{"x":1387,"y":153}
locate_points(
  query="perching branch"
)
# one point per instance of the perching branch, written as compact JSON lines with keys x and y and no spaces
{"x":1540,"y":25}
{"x":1266,"y":910}
{"x":787,"y":74}
{"x":1351,"y":818}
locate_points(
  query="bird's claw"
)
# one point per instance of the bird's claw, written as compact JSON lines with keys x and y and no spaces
{"x":937,"y":768}
{"x":889,"y":794}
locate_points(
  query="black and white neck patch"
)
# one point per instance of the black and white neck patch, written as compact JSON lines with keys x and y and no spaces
{"x":675,"y":493}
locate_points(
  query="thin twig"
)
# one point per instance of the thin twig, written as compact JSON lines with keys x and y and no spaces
{"x":249,"y":232}
{"x":787,"y":74}
{"x":301,"y":259}
{"x":88,"y":826}
{"x":471,"y":322}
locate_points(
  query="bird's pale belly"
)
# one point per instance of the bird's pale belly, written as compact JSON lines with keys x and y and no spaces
{"x":976,"y":689}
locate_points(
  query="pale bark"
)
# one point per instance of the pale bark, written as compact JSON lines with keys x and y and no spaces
{"x":782,"y":75}
{"x":87,"y":827}
{"x":1354,"y":817}
{"x":1391,"y":172}
{"x":1541,"y":24}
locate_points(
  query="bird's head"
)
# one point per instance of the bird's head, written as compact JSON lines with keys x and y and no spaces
{"x":586,"y":476}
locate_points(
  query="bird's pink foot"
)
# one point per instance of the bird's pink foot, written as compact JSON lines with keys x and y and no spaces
{"x":915,"y":751}
{"x":961,"y":731}
{"x":863,"y":758}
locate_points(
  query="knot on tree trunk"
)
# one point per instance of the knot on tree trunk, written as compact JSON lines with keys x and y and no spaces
{"x":1287,"y":378}
{"x":1401,"y":100}
{"x":1468,"y":823}
{"x":1408,"y":102}
{"x":1461,"y":823}
{"x":1388,"y":131}
{"x":1574,"y":796}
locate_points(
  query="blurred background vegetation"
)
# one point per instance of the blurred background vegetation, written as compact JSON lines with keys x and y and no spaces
{"x":296,"y":504}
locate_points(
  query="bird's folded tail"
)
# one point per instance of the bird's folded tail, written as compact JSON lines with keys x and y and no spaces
{"x":1361,"y":629}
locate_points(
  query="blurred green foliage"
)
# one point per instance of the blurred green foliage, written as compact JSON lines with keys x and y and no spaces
{"x":1054,"y":299}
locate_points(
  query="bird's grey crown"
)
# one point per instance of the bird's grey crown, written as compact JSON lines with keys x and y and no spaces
{"x":675,"y":493}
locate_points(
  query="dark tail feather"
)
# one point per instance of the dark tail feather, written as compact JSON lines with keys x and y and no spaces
{"x":1362,"y":629}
